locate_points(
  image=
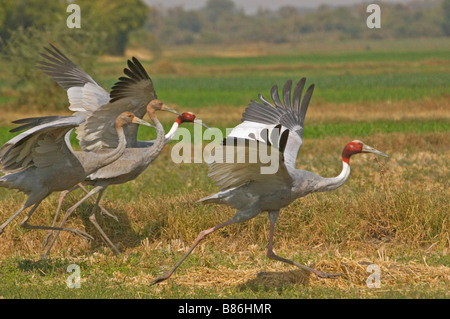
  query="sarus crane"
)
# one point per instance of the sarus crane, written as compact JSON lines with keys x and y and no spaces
{"x":88,"y":99}
{"x":41,"y":161}
{"x":278,"y":126}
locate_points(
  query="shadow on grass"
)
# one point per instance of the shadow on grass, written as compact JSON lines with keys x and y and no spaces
{"x":43,"y":267}
{"x":120,"y":232}
{"x":269,"y":280}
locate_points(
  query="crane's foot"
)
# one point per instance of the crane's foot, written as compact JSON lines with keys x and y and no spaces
{"x":46,"y":239}
{"x":316,"y":272}
{"x":322,"y":274}
{"x":80,"y":233}
{"x":104,"y":211}
{"x":159,"y":279}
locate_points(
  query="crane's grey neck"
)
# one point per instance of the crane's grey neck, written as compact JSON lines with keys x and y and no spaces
{"x":168,"y":137}
{"x":102,"y":159}
{"x":153,"y":151}
{"x":329,"y":184}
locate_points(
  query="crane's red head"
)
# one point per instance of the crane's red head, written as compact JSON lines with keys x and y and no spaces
{"x":355,"y":147}
{"x":186,"y":117}
{"x":190,"y":118}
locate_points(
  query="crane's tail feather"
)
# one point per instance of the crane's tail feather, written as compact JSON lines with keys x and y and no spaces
{"x":218,"y":198}
{"x":209,"y":199}
{"x":4,"y":182}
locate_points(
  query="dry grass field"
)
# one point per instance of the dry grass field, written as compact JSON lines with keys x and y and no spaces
{"x":391,"y":212}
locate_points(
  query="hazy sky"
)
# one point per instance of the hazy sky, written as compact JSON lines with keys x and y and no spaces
{"x":251,"y":6}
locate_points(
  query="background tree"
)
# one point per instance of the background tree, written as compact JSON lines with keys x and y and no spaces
{"x":114,"y":19}
{"x":217,"y":8}
{"x":24,"y":14}
{"x":446,"y":13}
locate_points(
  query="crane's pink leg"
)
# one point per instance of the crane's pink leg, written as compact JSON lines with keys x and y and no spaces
{"x":25,"y":225}
{"x":68,"y":213}
{"x":103,"y":209}
{"x":200,"y":236}
{"x":15,"y":215}
{"x":58,"y":209}
{"x":272,"y":255}
{"x":94,"y":222}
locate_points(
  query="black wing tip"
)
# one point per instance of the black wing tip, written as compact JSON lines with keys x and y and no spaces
{"x":234,"y":141}
{"x":53,"y":46}
{"x":287,"y":87}
{"x":283,"y":141}
{"x":136,"y":67}
{"x":134,"y":73}
{"x":288,"y":82}
{"x":26,"y":124}
{"x":24,"y":120}
{"x":30,"y":122}
{"x":18,"y":129}
{"x":136,"y":61}
{"x":55,"y":52}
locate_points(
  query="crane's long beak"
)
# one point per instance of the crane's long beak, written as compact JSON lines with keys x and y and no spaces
{"x":139,"y":121}
{"x":200,"y":122}
{"x":168,"y":109}
{"x":368,"y":149}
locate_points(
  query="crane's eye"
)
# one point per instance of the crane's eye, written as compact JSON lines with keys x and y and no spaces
{"x":188,"y":117}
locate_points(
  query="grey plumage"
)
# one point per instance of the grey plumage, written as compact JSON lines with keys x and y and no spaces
{"x":245,"y":187}
{"x":34,"y":121}
{"x":99,"y":107}
{"x":133,"y":91}
{"x":40,"y":161}
{"x":62,"y":70}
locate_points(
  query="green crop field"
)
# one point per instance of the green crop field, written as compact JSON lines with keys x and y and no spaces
{"x":393,"y":95}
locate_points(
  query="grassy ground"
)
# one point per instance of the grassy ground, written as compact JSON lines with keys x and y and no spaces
{"x":392,"y":213}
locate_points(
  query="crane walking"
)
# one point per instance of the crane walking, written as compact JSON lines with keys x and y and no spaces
{"x":88,"y":99}
{"x":41,"y":161}
{"x":243,"y":186}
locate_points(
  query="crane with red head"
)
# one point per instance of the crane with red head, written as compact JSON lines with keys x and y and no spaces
{"x":97,"y":110}
{"x":244,"y":186}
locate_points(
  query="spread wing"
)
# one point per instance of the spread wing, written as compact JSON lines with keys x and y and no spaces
{"x":30,"y":122}
{"x":43,"y":145}
{"x":131,"y":93}
{"x":290,"y":114}
{"x":85,"y":95}
{"x":238,"y":161}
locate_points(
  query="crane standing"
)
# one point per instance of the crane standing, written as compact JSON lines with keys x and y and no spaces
{"x":243,"y":187}
{"x":41,"y":161}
